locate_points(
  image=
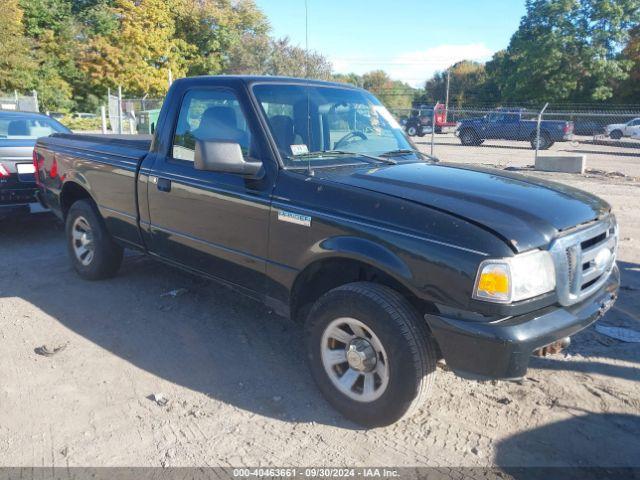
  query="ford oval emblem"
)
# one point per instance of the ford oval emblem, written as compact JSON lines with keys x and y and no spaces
{"x":602,"y":259}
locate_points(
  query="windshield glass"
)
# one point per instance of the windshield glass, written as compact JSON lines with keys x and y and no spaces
{"x":14,"y":127}
{"x":312,"y":123}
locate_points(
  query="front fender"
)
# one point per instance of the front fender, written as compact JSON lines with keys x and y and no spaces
{"x":361,"y":250}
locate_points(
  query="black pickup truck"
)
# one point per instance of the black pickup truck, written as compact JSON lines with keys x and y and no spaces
{"x":309,"y":197}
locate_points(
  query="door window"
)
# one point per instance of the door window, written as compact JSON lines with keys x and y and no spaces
{"x":209,"y":115}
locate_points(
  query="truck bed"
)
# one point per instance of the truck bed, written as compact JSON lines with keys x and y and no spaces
{"x":127,"y":146}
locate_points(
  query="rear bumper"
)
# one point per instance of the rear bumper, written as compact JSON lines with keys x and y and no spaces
{"x":503,"y":349}
{"x":17,"y":210}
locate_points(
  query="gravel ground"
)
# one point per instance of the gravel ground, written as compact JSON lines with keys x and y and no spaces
{"x":236,"y":386}
{"x":616,"y":156}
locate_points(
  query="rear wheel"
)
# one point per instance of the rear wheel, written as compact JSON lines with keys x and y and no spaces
{"x":545,"y":141}
{"x":94,"y":254}
{"x":370,"y":353}
{"x":469,"y":137}
{"x":412,"y":131}
{"x":616,"y":134}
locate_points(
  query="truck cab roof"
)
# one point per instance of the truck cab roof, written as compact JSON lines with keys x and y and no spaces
{"x":251,"y":79}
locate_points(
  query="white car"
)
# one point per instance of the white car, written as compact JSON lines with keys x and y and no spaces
{"x":619,"y":130}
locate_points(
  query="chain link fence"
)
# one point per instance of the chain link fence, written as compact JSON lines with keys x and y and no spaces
{"x":609,"y":139}
{"x":132,"y":115}
{"x":19,"y":103}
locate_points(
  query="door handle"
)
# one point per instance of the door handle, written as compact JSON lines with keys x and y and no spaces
{"x":163,"y":184}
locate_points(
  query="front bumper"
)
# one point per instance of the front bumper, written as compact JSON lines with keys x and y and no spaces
{"x":501,"y":350}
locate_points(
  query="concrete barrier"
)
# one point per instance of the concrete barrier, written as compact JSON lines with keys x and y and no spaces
{"x":564,"y":164}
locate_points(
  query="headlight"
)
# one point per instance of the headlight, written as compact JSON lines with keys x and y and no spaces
{"x":516,"y":278}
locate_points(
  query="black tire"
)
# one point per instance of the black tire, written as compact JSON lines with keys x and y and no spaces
{"x":409,"y":347}
{"x":412,"y":131}
{"x":545,"y":141}
{"x":106,"y":253}
{"x":616,"y":134}
{"x":469,"y":138}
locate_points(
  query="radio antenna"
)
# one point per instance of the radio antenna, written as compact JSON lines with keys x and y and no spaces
{"x":306,"y":74}
{"x":306,"y":38}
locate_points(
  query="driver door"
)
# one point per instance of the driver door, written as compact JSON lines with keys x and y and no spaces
{"x":213,"y":223}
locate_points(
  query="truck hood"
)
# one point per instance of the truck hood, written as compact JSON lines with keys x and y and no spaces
{"x":525,"y":212}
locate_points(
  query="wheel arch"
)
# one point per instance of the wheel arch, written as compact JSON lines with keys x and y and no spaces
{"x":347,"y":260}
{"x":72,"y":191}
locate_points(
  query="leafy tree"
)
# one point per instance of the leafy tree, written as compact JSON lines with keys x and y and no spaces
{"x":215,"y":28}
{"x":261,"y":55}
{"x":629,"y":90}
{"x":350,"y":78}
{"x":393,"y":93}
{"x":467,"y":84}
{"x":52,"y":30}
{"x":16,"y":66}
{"x":565,"y":50}
{"x":140,"y":52}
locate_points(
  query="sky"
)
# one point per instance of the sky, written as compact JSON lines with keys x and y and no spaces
{"x":409,"y":39}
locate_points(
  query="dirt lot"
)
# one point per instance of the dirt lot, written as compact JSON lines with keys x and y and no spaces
{"x":237,"y":387}
{"x":619,"y":156}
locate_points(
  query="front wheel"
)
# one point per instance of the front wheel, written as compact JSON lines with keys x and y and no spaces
{"x":616,"y":134}
{"x":94,"y":254}
{"x":469,"y":137}
{"x":412,"y":131}
{"x":370,"y":353}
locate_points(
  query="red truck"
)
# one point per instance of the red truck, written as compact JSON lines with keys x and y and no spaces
{"x":419,"y":123}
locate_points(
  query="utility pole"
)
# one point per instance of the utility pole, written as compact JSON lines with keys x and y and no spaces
{"x":446,"y":103}
{"x":120,"y":119}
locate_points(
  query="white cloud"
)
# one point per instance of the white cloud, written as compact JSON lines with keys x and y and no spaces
{"x":417,"y":66}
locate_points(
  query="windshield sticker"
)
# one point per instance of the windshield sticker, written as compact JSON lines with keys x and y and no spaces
{"x":299,"y":149}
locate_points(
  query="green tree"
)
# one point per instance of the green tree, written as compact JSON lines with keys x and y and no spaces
{"x":350,"y":78}
{"x":629,"y":89}
{"x":52,"y":30}
{"x":394,"y":94}
{"x":17,"y":68}
{"x":261,"y":55}
{"x":467,"y":84}
{"x":566,"y":50}
{"x":215,"y":29}
{"x":140,"y":52}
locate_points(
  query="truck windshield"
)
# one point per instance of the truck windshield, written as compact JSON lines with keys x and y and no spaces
{"x":324,"y":125}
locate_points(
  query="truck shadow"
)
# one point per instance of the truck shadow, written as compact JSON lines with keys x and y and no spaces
{"x":207,"y":338}
{"x":197,"y":334}
{"x":567,"y":449}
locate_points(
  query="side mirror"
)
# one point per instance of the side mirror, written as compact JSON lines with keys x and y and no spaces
{"x":223,"y":156}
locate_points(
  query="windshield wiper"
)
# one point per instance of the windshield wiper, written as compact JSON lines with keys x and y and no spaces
{"x":359,"y":156}
{"x":407,"y":151}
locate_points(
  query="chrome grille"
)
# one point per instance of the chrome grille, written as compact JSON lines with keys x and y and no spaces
{"x":584,"y":259}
